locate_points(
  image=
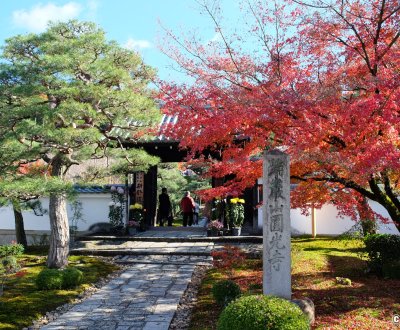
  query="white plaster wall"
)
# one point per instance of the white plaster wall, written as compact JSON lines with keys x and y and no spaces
{"x":33,"y":237}
{"x":328,"y":222}
{"x":94,"y":208}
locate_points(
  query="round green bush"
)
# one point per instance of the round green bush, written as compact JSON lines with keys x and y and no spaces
{"x":10,"y":264}
{"x":72,"y":277}
{"x":225,"y":291}
{"x":259,"y":312}
{"x":49,"y":279}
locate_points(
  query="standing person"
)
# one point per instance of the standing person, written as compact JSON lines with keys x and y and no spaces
{"x":187,"y":207}
{"x":164,"y":208}
{"x":196,"y":213}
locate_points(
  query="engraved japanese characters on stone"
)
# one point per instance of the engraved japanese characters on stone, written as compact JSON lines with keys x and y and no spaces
{"x":276,"y":223}
{"x":275,"y":251}
{"x":277,"y":167}
{"x":276,"y":172}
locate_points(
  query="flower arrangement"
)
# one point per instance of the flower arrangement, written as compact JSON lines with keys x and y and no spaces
{"x":237,"y":200}
{"x":136,"y":214}
{"x":116,"y":206}
{"x":235,"y":212}
{"x":136,"y":206}
{"x":215,"y":224}
{"x":133,"y":224}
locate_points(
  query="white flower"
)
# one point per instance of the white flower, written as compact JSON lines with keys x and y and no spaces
{"x":121,"y":190}
{"x":113,"y":188}
{"x":111,"y":204}
{"x":118,"y":204}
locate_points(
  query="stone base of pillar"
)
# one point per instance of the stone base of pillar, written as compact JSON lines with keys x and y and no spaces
{"x":307,"y":306}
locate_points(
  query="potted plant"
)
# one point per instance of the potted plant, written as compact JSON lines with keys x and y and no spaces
{"x":132,"y":227}
{"x":214,"y":228}
{"x":235,"y":213}
{"x":136,"y":215}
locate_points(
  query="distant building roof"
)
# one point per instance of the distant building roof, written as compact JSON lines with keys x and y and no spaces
{"x":96,"y":189}
{"x":90,"y":189}
{"x":167,"y":121}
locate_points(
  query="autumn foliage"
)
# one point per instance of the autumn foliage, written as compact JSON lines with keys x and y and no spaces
{"x":228,"y":258}
{"x":322,"y":82}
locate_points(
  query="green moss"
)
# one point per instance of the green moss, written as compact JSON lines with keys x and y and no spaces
{"x":315,"y":264}
{"x":22,"y":302}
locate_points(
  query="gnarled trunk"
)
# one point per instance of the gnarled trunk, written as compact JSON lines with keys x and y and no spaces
{"x":19,"y":224}
{"x":59,"y":236}
{"x":388,"y":199}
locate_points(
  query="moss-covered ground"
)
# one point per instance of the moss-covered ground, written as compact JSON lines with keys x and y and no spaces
{"x":369,"y":303}
{"x":22,"y":303}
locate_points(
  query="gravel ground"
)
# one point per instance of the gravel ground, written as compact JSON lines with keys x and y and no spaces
{"x":181,"y":320}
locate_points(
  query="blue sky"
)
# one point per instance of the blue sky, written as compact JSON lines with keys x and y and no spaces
{"x":132,"y":23}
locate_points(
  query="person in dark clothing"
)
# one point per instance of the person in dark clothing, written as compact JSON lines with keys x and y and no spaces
{"x":164,"y":208}
{"x":187,"y":207}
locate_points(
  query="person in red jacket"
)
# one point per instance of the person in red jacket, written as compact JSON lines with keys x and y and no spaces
{"x":187,"y":207}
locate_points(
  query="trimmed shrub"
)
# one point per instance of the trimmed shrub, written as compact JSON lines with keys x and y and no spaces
{"x":9,"y":264}
{"x":11,"y":250}
{"x":50,"y":279}
{"x":261,"y":312}
{"x":225,"y":291}
{"x":391,"y":270}
{"x":72,"y":277}
{"x":383,"y":250}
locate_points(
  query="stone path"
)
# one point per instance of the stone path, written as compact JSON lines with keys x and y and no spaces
{"x":145,"y":297}
{"x":147,"y":294}
{"x":165,"y":260}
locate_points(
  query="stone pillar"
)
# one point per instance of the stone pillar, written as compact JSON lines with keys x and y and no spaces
{"x":276,"y":225}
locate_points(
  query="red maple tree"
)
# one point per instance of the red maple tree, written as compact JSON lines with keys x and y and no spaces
{"x":322,"y":82}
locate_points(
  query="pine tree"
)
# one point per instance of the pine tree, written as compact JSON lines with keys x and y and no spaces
{"x":68,"y":95}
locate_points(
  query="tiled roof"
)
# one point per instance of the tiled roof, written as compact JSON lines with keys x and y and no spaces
{"x":91,"y":189}
{"x":96,"y":189}
{"x":167,"y":121}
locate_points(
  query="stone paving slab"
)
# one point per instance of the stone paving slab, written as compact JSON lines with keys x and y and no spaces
{"x":164,"y":259}
{"x":142,"y":251}
{"x":144,"y":297}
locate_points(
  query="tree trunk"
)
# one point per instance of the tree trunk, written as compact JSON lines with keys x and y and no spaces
{"x":59,"y":227}
{"x":386,"y":200}
{"x":59,"y":236}
{"x":367,"y":219}
{"x":19,"y":224}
